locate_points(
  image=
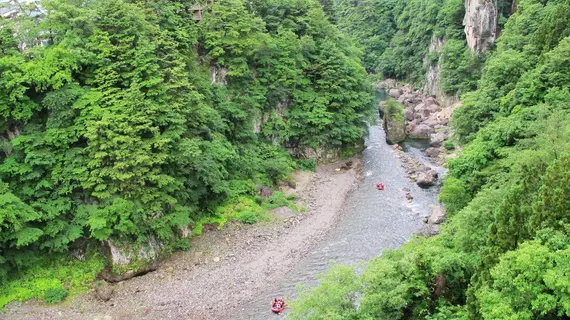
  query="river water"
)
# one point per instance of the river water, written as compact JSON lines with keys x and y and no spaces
{"x":374,"y":220}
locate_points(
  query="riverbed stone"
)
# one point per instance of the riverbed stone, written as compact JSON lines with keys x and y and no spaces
{"x":421,"y":131}
{"x":409,"y":114}
{"x":103,"y":290}
{"x":432,"y":152}
{"x":282,"y":212}
{"x":437,"y":214}
{"x":436,"y":139}
{"x":127,"y":261}
{"x":426,"y":179}
{"x":395,"y":93}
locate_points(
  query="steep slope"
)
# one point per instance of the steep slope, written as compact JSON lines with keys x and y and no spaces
{"x":504,"y":252}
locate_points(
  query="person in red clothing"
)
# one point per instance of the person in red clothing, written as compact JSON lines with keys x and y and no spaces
{"x":380,"y":186}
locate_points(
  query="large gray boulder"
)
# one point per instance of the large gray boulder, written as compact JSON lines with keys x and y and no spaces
{"x":426,"y":179}
{"x":436,"y":139}
{"x":394,"y":122}
{"x":395,"y":93}
{"x":432,"y":152}
{"x":421,"y":131}
{"x":127,"y":260}
{"x":436,"y":214}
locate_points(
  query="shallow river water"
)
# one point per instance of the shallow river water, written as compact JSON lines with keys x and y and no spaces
{"x":372,"y":222}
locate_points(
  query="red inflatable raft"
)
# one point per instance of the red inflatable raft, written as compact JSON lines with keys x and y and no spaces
{"x":278,"y":305}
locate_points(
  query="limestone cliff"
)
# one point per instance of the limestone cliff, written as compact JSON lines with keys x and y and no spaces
{"x":480,"y":23}
{"x":433,"y":69}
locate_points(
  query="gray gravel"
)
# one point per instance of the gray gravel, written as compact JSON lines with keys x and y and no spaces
{"x":224,"y":269}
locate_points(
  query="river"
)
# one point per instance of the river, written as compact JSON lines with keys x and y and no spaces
{"x":372,"y":222}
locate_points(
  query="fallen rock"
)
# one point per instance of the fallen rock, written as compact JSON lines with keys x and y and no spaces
{"x":394,"y":93}
{"x":282,"y":212}
{"x":426,"y":179}
{"x":103,"y":290}
{"x":436,"y":139}
{"x":126,"y":261}
{"x":436,"y":215}
{"x":265,"y":192}
{"x":409,"y":114}
{"x":421,"y":131}
{"x":432,"y":152}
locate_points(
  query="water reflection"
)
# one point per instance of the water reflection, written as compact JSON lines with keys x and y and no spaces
{"x":374,"y":221}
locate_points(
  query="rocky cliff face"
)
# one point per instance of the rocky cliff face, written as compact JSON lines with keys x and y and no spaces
{"x":480,"y":24}
{"x":433,"y":74}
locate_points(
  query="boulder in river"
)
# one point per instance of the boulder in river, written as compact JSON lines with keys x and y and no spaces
{"x":426,"y":179}
{"x":436,"y":139}
{"x":436,"y":215}
{"x":395,"y":93}
{"x":432,"y":152}
{"x":394,"y":121}
{"x":421,"y":131}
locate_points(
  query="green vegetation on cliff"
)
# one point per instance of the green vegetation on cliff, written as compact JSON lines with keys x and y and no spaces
{"x":505,"y":251}
{"x":133,"y":121}
{"x":396,"y":37}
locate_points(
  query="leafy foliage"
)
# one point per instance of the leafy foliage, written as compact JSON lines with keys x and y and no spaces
{"x":503,"y":254}
{"x":133,"y":120}
{"x":55,"y":295}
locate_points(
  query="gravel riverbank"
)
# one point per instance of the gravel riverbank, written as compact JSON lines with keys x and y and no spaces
{"x":224,"y":269}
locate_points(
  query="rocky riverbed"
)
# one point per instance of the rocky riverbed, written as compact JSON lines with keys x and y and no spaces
{"x":224,"y":269}
{"x":232,"y":271}
{"x":425,"y":117}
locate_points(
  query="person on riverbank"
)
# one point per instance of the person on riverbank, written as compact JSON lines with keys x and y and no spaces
{"x":380,"y":186}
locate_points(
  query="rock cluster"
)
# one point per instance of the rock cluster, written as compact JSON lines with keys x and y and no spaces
{"x":423,"y":175}
{"x":436,"y":217}
{"x":425,"y":117}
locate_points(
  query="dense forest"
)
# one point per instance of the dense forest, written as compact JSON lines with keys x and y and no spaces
{"x":505,"y":251}
{"x":133,"y":121}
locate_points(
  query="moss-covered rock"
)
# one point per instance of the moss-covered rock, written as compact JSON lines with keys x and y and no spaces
{"x":393,"y":121}
{"x":129,"y":260}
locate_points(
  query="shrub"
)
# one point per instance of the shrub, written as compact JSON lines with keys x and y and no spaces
{"x":448,"y":145}
{"x":55,"y":294}
{"x":307,"y":165}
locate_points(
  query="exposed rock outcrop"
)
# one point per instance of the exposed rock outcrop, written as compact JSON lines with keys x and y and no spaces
{"x":127,"y":261}
{"x":425,"y":117}
{"x":394,"y":121}
{"x":436,"y":215}
{"x":323,"y":155}
{"x":480,"y":23}
{"x":423,"y":175}
{"x":433,"y":75}
{"x":219,"y":75}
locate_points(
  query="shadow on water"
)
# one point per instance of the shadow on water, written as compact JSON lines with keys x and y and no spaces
{"x":373,"y":221}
